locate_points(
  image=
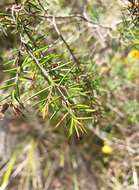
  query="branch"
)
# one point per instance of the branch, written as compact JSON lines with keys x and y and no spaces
{"x":64,"y":41}
{"x":43,"y":71}
{"x":76,"y":16}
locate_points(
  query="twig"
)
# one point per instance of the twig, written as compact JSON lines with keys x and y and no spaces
{"x":43,"y":71}
{"x":76,"y":16}
{"x":116,"y":110}
{"x":64,"y":41}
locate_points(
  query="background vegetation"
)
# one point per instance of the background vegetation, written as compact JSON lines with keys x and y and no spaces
{"x":69,"y":95}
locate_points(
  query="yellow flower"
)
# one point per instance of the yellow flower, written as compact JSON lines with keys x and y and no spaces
{"x":134,"y":54}
{"x":106,"y":149}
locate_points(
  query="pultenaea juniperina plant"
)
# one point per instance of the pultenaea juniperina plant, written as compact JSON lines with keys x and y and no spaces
{"x":64,"y":90}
